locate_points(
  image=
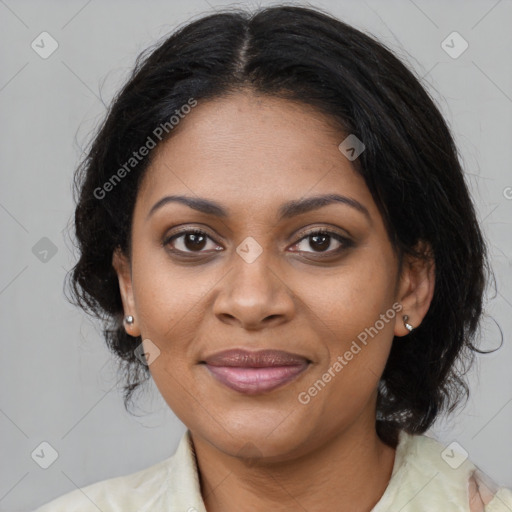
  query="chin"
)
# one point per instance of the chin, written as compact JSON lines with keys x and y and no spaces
{"x":279,"y":440}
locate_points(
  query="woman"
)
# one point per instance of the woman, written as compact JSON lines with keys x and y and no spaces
{"x":274,"y":220}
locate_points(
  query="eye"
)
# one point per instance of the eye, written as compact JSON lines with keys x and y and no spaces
{"x":321,"y":240}
{"x":189,"y":241}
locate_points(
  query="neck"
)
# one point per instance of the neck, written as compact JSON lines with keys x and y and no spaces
{"x":349,"y":471}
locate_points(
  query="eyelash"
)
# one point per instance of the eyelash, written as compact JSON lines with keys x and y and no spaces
{"x":345,"y":242}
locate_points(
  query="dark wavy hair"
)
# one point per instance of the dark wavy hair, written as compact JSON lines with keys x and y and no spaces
{"x":410,"y":165}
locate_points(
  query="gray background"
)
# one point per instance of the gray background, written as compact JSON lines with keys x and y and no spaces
{"x":58,"y":381}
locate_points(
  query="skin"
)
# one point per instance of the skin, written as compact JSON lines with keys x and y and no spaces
{"x":265,"y":452}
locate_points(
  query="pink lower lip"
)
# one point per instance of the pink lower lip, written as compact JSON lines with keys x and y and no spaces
{"x":252,"y":381}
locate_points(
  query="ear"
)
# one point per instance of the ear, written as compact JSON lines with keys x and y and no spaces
{"x":416,"y":288}
{"x":123,"y":269}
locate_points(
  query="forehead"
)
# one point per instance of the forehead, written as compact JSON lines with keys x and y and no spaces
{"x":250,"y":151}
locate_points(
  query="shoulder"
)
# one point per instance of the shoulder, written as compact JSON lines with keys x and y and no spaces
{"x":475,"y":490}
{"x":122,"y":493}
{"x":170,"y":484}
{"x":431,"y":476}
{"x":486,"y":496}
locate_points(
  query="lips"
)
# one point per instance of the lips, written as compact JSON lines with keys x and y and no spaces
{"x":260,"y":359}
{"x":255,"y":372}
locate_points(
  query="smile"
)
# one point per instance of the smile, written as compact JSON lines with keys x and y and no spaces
{"x":253,"y":381}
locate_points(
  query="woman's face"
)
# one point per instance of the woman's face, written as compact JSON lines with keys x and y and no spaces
{"x":255,"y":280}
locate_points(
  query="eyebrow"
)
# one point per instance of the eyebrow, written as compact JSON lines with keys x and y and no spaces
{"x":286,"y":211}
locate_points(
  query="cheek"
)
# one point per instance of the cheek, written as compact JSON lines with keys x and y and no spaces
{"x":350,"y":298}
{"x":354,"y":316}
{"x":167,"y":304}
{"x":172,"y":379}
{"x":358,"y":348}
{"x":167,"y":297}
{"x":169,"y":308}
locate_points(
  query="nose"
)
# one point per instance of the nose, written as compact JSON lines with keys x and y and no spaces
{"x":254,"y":295}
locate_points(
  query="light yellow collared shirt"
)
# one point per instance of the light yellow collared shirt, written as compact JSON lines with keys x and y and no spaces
{"x":426,"y":477}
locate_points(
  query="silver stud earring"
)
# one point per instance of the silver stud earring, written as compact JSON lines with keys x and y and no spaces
{"x":128,"y":319}
{"x":409,"y":327}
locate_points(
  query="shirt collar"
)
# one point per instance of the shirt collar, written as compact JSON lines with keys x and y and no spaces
{"x":184,"y":490}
